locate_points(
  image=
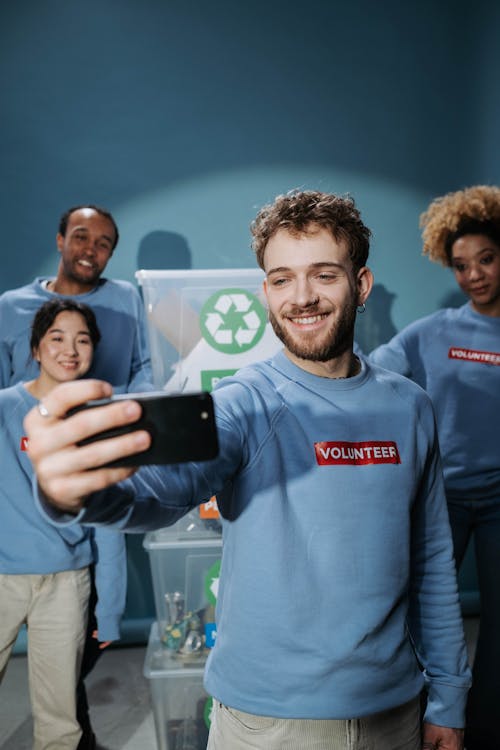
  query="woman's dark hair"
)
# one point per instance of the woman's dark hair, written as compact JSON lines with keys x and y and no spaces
{"x":472,"y":226}
{"x":49,"y":311}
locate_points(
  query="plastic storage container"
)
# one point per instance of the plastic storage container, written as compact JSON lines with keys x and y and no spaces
{"x":185,"y":572}
{"x":204,"y":325}
{"x":181,"y":707}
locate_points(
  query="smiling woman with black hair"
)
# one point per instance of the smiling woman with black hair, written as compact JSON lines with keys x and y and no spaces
{"x":44,"y":571}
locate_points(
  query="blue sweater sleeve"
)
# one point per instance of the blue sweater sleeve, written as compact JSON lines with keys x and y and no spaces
{"x":111,"y":581}
{"x":4,"y":364}
{"x":5,"y":349}
{"x":434,"y":618}
{"x":158,"y":496}
{"x":393,"y":356}
{"x":141,"y":375}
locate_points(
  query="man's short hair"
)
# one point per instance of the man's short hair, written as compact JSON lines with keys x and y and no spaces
{"x":303,"y":211}
{"x":63,"y":221}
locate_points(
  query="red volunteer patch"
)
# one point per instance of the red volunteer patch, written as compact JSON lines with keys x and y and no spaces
{"x":24,"y":444}
{"x":474,"y":355}
{"x":344,"y":453}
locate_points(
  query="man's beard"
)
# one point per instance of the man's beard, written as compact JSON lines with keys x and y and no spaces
{"x":81,"y":276}
{"x":337,"y":343}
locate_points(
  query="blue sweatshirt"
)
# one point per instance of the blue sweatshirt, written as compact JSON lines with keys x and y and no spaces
{"x":30,"y":545}
{"x":337,"y":554}
{"x":122,"y":358}
{"x":455,"y":355}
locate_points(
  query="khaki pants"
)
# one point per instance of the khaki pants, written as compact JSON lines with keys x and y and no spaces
{"x":54,"y":608}
{"x":396,"y":729}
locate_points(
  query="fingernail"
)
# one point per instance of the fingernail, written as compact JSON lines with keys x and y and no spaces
{"x":132,"y":409}
{"x":142,"y":439}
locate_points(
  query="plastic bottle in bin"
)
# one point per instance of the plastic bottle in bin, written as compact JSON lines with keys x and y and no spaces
{"x":183,"y":630}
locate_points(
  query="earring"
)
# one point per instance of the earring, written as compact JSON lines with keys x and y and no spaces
{"x":361,"y":308}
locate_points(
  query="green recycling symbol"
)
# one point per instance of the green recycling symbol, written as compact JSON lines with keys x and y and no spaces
{"x":232,"y":321}
{"x":212,"y":582}
{"x":207,"y":711}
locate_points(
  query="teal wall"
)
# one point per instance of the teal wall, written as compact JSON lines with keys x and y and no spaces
{"x":182,"y":118}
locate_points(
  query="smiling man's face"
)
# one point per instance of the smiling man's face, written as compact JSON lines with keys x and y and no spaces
{"x":86,"y":247}
{"x":312,"y":292}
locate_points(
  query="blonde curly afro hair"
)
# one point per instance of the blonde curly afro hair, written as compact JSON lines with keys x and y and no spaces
{"x":474,"y":210}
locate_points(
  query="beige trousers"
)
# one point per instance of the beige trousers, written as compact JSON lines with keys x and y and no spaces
{"x":54,"y":608}
{"x":396,"y":729}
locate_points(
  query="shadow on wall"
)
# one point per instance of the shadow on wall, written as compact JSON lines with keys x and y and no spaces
{"x":162,"y":250}
{"x":375,"y":325}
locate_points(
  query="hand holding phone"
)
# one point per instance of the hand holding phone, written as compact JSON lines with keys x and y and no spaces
{"x":182,"y":427}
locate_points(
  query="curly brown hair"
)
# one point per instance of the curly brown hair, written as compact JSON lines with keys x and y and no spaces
{"x":474,"y":210}
{"x":299,"y":211}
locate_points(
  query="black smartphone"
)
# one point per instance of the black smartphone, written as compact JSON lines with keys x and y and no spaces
{"x":182,"y":427}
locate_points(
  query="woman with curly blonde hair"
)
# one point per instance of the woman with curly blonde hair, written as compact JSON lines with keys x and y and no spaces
{"x":455,"y":355}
